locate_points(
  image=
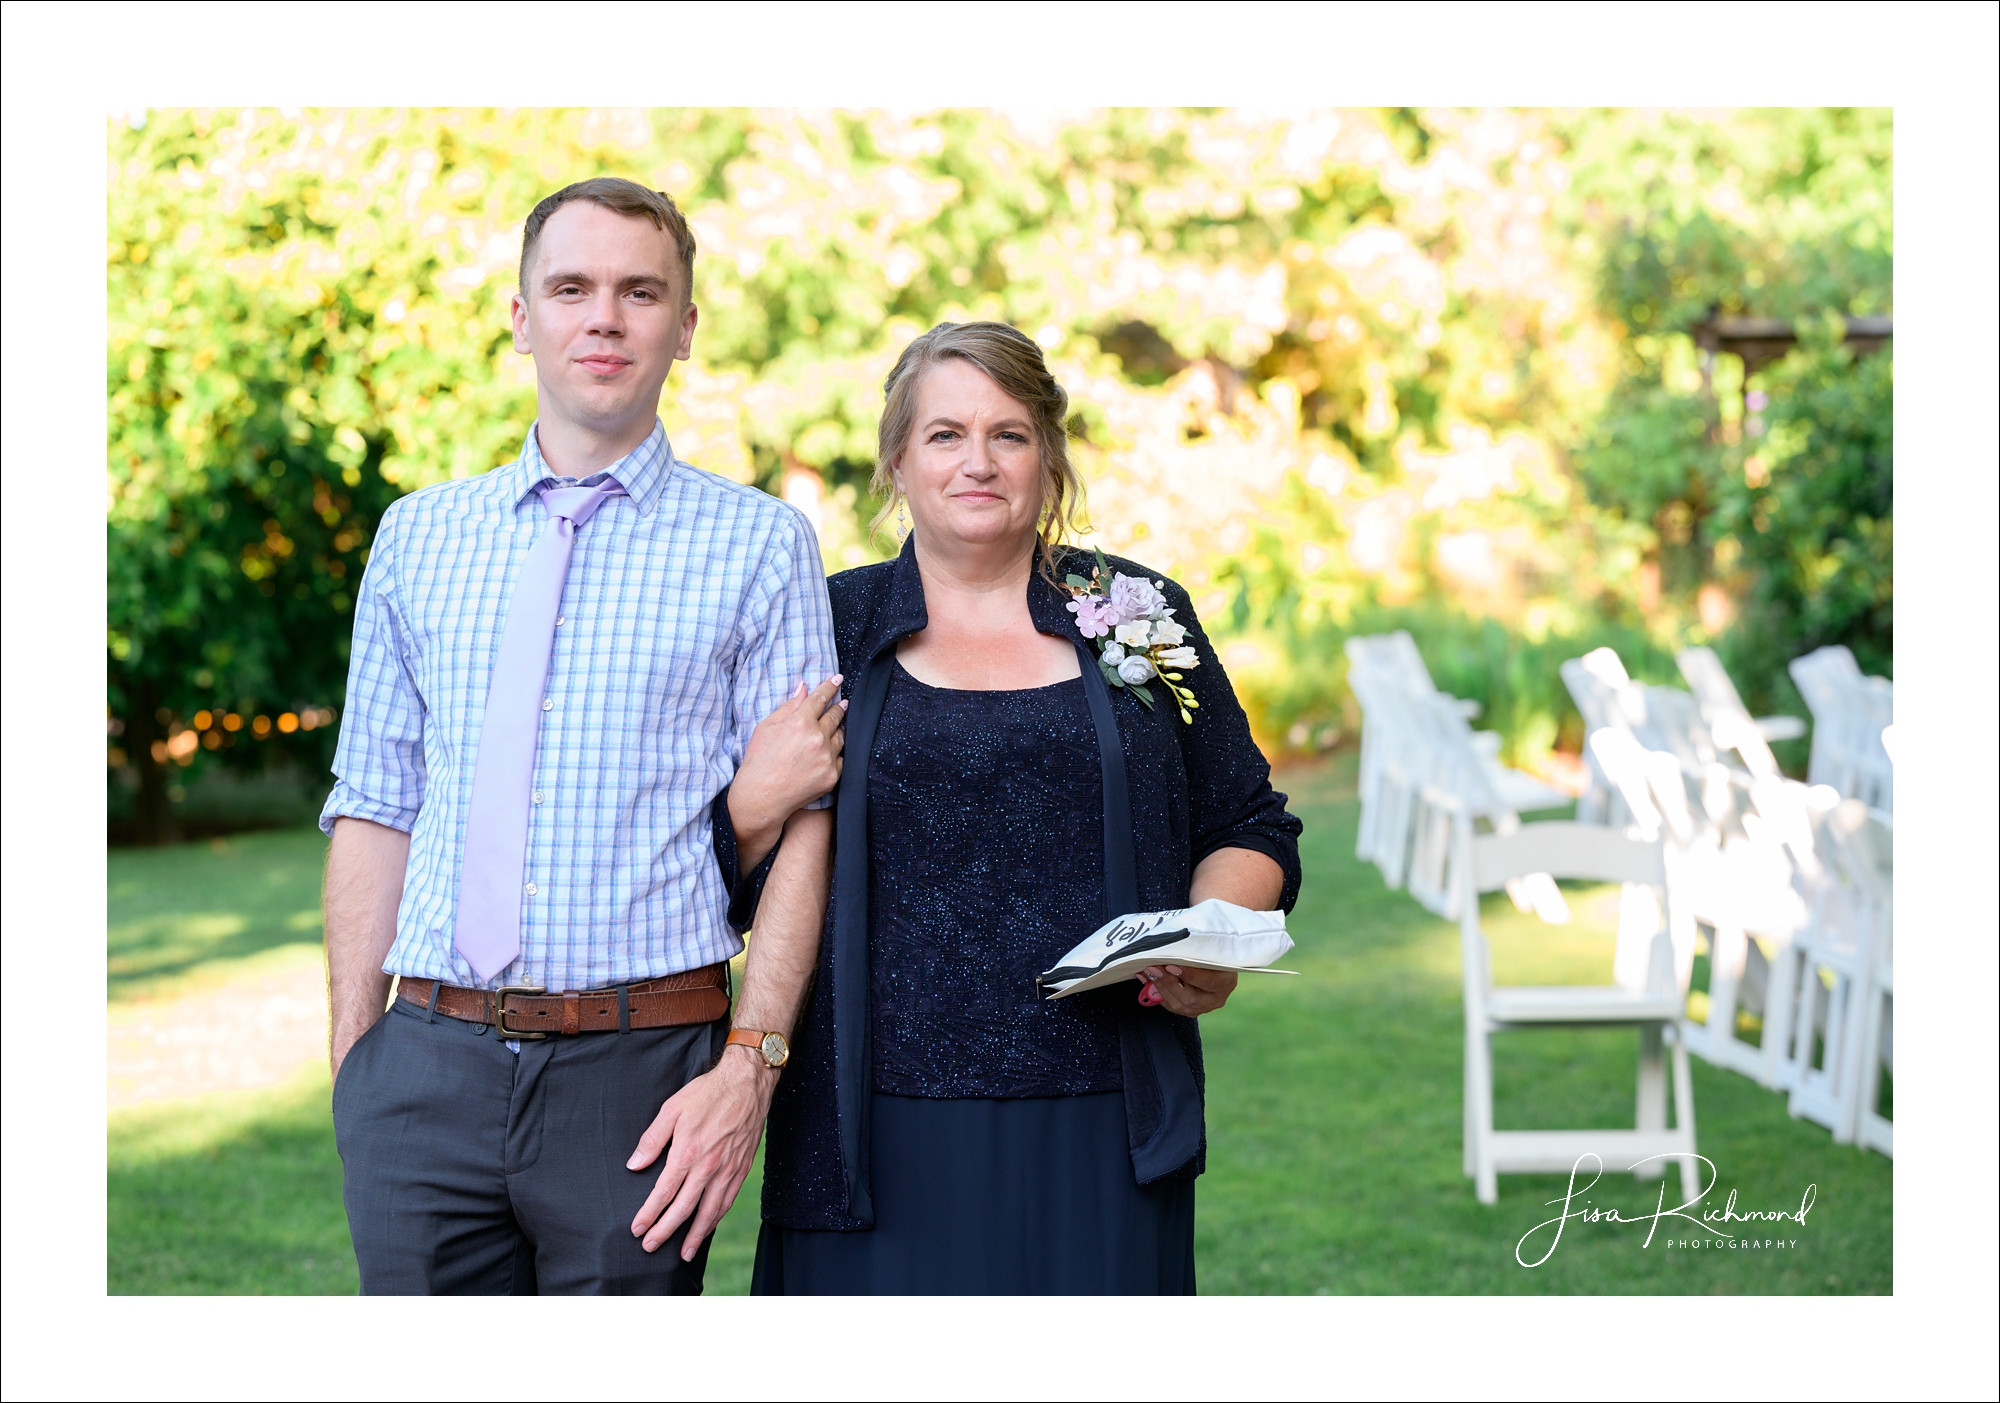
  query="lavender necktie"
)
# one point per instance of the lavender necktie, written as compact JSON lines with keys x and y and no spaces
{"x":488,"y":930}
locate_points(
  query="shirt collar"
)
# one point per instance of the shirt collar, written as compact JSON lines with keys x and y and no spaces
{"x":643,"y":472}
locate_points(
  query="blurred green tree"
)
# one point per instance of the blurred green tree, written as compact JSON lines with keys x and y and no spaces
{"x":1336,"y":370}
{"x":1807,"y":514}
{"x":1776,"y":214}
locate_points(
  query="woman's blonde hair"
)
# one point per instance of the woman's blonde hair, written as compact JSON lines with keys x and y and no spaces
{"x":1014,"y":363}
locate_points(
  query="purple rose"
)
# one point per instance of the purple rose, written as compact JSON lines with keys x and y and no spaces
{"x":1133,"y":599}
{"x":1093,"y":616}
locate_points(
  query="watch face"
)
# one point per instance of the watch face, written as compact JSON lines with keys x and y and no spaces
{"x":776,"y":1053}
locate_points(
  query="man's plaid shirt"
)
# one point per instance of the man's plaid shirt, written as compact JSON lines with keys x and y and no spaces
{"x":692,"y":608}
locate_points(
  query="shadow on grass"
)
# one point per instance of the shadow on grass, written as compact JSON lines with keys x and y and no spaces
{"x":175,"y":911}
{"x":229,"y":1194}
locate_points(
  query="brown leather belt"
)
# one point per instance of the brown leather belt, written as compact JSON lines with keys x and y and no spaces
{"x":693,"y":996}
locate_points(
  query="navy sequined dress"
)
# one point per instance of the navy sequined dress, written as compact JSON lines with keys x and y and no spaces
{"x":986,"y":866}
{"x":999,"y":1132}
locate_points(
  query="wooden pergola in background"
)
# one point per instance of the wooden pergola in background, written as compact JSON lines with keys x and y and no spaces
{"x":1761,"y":340}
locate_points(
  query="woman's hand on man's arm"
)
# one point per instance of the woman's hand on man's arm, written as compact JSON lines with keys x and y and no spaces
{"x":793,"y":757}
{"x":1236,"y":875}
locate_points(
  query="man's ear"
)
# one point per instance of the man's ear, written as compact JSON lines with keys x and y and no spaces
{"x":518,"y":313}
{"x":689,"y":317}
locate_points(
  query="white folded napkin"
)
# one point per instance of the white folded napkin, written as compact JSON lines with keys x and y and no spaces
{"x":1214,"y":935}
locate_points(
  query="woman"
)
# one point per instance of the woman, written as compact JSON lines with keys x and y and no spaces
{"x":941,"y":1128}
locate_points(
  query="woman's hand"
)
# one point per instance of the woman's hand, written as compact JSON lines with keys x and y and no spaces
{"x":1188,"y":992}
{"x":794,"y":756}
{"x":1238,"y":875}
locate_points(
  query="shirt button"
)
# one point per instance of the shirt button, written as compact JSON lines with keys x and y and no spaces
{"x":538,"y":796}
{"x":548,"y":703}
{"x":531,"y":889}
{"x":560,"y":621}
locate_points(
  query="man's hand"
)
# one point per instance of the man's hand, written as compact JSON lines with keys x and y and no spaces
{"x":794,"y":756}
{"x":712,"y":1125}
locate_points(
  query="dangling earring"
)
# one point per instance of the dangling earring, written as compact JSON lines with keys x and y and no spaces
{"x":902,"y":523}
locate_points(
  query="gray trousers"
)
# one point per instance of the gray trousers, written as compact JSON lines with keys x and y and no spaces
{"x":473,"y":1170}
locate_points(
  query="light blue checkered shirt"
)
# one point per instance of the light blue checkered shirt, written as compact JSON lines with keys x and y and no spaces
{"x":692,"y":608}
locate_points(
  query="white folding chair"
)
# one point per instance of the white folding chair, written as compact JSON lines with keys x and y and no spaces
{"x":1719,"y":699}
{"x":1647,"y":996}
{"x":1867,"y":847}
{"x":1747,"y":895}
{"x":1597,"y":682}
{"x":1820,"y":677}
{"x":1400,"y":751}
{"x":1843,"y":953}
{"x":1387,"y":753}
{"x":1365,"y":682}
{"x":1740,"y":884}
{"x":1489,"y":791}
{"x":1873,"y":714}
{"x":1851,"y":713}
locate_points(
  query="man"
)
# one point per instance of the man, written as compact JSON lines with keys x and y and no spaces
{"x":556,"y":666}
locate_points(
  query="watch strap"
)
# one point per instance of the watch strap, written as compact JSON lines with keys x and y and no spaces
{"x":760,"y":1042}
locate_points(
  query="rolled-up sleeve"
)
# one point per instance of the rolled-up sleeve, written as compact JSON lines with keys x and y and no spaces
{"x":379,"y":764}
{"x":785,"y":632}
{"x":1231,"y":803}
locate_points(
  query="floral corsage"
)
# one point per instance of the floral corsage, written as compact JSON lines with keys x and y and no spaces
{"x":1140,"y":640}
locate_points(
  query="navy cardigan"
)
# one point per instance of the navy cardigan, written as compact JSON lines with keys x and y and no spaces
{"x":1174,"y":793}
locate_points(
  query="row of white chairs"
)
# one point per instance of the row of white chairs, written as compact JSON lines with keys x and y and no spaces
{"x":1688,"y":810}
{"x":1415,"y":739}
{"x":1797,"y":905}
{"x":1799,"y":924}
{"x":1442,"y":816}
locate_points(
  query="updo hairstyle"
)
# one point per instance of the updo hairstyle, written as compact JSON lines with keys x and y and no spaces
{"x":1014,"y":363}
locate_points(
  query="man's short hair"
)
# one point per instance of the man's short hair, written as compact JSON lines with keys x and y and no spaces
{"x":623,"y":197}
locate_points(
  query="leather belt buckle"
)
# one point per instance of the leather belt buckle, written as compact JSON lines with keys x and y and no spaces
{"x":500,"y":1010}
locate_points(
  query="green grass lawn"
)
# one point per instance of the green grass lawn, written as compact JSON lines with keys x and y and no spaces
{"x":202,"y":912}
{"x":1334,"y":1149}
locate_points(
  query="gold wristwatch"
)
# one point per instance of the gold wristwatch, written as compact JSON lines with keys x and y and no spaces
{"x":772,"y":1047}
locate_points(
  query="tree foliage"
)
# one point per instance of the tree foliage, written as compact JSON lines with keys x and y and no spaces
{"x":1780,"y":214}
{"x":1332,"y":369}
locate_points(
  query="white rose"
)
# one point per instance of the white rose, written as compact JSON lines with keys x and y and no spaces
{"x":1113,"y":654}
{"x":1179,"y":657}
{"x":1168,"y":632}
{"x":1135,"y":670}
{"x":1133,"y":635}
